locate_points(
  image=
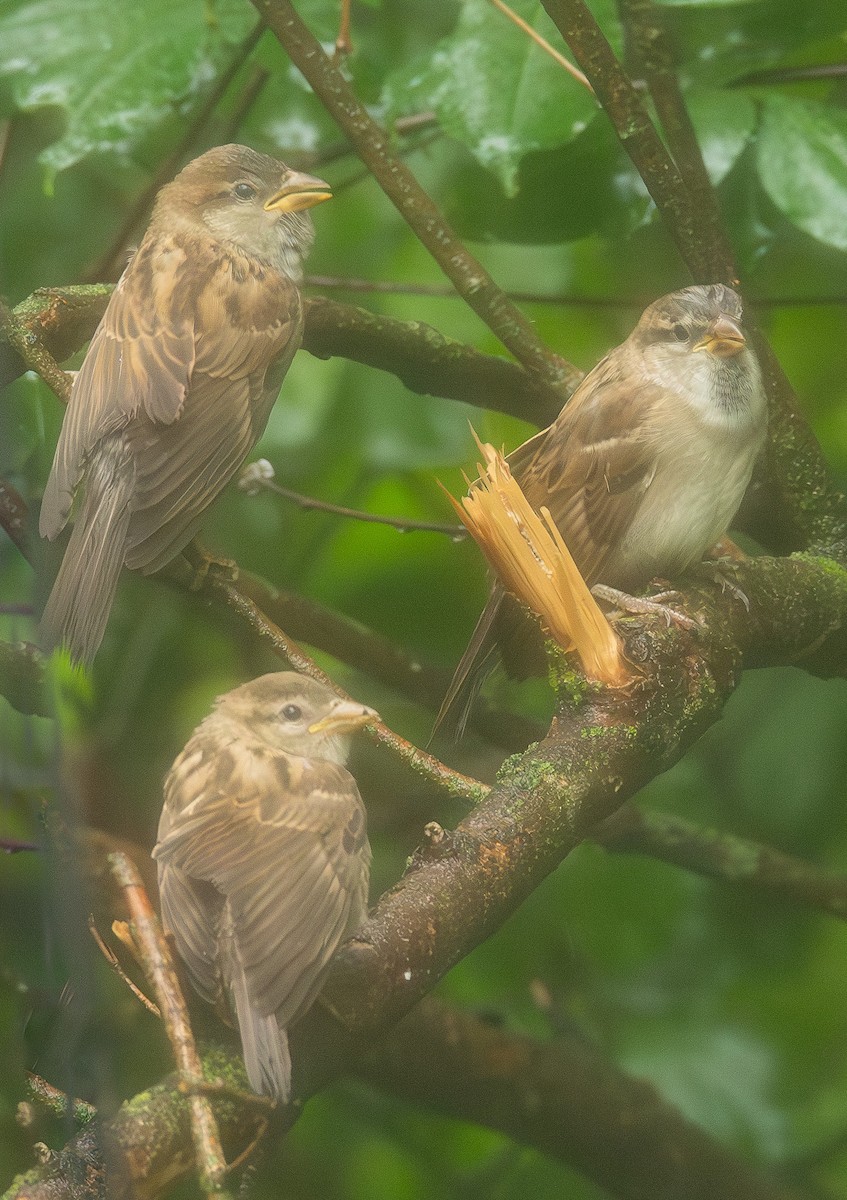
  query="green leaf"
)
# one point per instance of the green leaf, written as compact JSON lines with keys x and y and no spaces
{"x":29,"y":419}
{"x":802,"y":163}
{"x":563,"y":194}
{"x":719,"y":42}
{"x":724,"y":123}
{"x":721,"y":1078}
{"x":285,"y":118}
{"x":496,"y":91}
{"x":118,"y":75}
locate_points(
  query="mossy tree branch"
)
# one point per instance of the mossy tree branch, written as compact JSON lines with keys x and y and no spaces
{"x":563,"y":1097}
{"x":720,"y":855}
{"x":602,"y":747}
{"x":59,"y":321}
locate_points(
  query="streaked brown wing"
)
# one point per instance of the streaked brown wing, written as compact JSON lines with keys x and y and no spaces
{"x":290,"y":855}
{"x":195,"y":340}
{"x":192,"y":910}
{"x":139,"y":361}
{"x":247,"y":330}
{"x":179,"y":473}
{"x":591,"y":467}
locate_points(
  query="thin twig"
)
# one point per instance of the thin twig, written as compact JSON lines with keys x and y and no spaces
{"x":653,"y":58}
{"x":112,"y":960}
{"x":372,"y":143}
{"x":218,"y":1088}
{"x":412,"y":122}
{"x":160,"y":970}
{"x":636,"y":133}
{"x":408,"y":148}
{"x":777,"y":75}
{"x":393,"y":287}
{"x":459,"y":786}
{"x":343,"y":42}
{"x":259,"y":476}
{"x":241,"y":1159}
{"x":573,"y":71}
{"x":321,"y":157}
{"x":722,"y":855}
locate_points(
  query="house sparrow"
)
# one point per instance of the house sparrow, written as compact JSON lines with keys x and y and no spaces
{"x":646,"y":465}
{"x":263,"y":857}
{"x":179,"y":380}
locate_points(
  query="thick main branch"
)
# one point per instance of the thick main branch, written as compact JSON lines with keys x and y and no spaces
{"x":597,"y":755}
{"x":565,"y":1098}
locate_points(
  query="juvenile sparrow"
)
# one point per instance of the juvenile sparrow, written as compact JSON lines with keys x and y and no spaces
{"x":263,"y":857}
{"x":646,"y":465}
{"x":180,"y":377}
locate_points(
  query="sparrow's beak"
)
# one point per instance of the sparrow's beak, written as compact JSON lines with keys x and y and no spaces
{"x":298,"y":192}
{"x":345,"y":716}
{"x":723,"y":338}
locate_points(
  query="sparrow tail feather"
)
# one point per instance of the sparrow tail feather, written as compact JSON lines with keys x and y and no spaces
{"x":264,"y":1044}
{"x":470,"y":673}
{"x":81,"y":599}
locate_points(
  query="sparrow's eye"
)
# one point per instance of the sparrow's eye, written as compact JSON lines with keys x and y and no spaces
{"x":680,"y":333}
{"x":292,"y":712}
{"x":244,"y":191}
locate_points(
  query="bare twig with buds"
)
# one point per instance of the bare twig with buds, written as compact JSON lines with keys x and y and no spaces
{"x":259,"y":476}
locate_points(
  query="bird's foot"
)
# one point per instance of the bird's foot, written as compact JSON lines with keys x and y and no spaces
{"x":721,"y":571}
{"x":722,"y":561}
{"x":205,"y":566}
{"x":642,"y":605}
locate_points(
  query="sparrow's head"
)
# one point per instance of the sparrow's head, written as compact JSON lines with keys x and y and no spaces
{"x":248,"y":200}
{"x":695,"y":319}
{"x":296,"y":714}
{"x":693,"y":341}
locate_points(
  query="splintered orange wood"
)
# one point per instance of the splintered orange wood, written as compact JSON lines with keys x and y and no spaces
{"x":530,"y":557}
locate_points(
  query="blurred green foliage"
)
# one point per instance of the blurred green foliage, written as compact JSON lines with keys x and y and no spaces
{"x":733,"y":1005}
